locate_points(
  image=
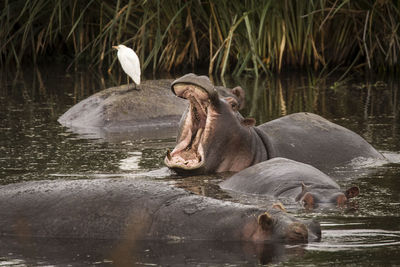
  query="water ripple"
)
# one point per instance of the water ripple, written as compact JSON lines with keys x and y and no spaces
{"x":337,"y":240}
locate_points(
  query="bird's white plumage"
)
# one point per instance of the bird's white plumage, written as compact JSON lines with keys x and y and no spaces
{"x":130,"y":62}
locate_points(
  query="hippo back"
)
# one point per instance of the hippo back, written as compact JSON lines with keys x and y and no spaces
{"x":278,"y":177}
{"x":311,"y":139}
{"x":123,"y":109}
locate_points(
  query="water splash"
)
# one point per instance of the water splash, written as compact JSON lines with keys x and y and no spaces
{"x":392,"y":157}
{"x":361,"y":166}
{"x":362,"y":163}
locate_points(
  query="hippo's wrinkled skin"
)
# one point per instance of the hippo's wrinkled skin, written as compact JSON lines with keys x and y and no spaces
{"x":280,"y":177}
{"x":214,"y":137}
{"x":136,"y":209}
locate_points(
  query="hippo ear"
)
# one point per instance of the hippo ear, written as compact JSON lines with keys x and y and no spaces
{"x":308,"y":201}
{"x":265,"y":221}
{"x":304,"y":190}
{"x":279,"y":206}
{"x":249,"y":122}
{"x":239,"y":93}
{"x":352,"y":192}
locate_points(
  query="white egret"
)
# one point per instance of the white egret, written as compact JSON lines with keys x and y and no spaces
{"x":130,"y":62}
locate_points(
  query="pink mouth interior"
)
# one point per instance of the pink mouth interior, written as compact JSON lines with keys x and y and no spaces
{"x":188,"y":152}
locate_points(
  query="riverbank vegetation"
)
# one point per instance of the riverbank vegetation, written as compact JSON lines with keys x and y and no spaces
{"x":224,"y":36}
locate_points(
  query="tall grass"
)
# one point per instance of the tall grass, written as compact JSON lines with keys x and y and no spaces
{"x":226,"y":36}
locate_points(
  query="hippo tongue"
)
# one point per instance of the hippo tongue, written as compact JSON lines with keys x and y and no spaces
{"x":186,"y":152}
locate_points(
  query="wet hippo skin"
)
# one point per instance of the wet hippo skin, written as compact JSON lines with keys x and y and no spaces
{"x":214,"y":137}
{"x":138,"y":209}
{"x":309,"y":138}
{"x":121,"y":108}
{"x":281,"y":177}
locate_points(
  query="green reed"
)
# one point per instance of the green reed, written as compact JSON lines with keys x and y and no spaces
{"x":226,"y":36}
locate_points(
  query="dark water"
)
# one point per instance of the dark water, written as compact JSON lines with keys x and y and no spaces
{"x":33,"y":146}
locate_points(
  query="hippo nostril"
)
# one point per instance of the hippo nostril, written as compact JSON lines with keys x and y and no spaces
{"x":297,"y":232}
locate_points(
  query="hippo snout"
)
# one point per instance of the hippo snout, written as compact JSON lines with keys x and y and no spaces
{"x":278,"y":225}
{"x":202,"y":82}
{"x":297,"y":232}
{"x":314,"y":230}
{"x":314,"y":199}
{"x":302,"y":231}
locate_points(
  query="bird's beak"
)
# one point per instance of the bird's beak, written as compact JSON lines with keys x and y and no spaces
{"x":115,"y":47}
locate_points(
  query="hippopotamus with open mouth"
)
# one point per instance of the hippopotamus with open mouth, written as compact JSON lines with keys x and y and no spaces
{"x":285,"y":178}
{"x":214,"y":137}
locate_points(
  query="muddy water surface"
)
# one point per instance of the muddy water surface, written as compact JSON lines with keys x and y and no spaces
{"x":33,"y":146}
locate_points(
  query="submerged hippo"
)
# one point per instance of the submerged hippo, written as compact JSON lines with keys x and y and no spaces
{"x":214,"y":137}
{"x":136,"y":209}
{"x":280,"y":177}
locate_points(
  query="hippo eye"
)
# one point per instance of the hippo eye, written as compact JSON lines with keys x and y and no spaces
{"x":234,"y":104}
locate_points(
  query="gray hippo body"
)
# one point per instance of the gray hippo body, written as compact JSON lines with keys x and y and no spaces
{"x":214,"y":137}
{"x":311,"y":139}
{"x":151,"y":112}
{"x":121,"y":107}
{"x":136,"y":209}
{"x":285,"y":178}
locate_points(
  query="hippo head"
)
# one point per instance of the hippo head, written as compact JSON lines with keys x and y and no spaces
{"x":277,"y":225}
{"x":312,"y":198}
{"x":202,"y":143}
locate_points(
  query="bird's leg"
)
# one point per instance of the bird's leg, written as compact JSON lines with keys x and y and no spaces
{"x":127,"y":78}
{"x":136,"y":88}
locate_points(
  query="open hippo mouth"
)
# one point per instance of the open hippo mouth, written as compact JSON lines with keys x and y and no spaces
{"x":189,"y":153}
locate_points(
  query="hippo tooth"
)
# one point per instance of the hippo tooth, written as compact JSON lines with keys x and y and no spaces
{"x":169,"y":154}
{"x":200,"y":111}
{"x":198,"y":137}
{"x":184,"y":143}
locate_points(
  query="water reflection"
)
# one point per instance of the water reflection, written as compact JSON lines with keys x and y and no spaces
{"x":285,"y":94}
{"x":61,"y":252}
